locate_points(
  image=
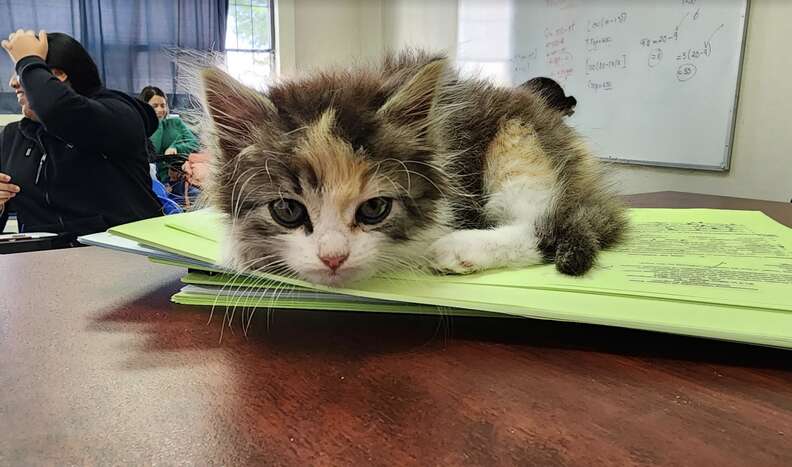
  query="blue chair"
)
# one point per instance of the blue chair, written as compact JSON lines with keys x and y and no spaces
{"x":168,"y":205}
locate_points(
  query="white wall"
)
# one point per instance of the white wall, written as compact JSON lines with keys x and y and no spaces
{"x":318,"y":33}
{"x":428,"y":24}
{"x":338,"y":31}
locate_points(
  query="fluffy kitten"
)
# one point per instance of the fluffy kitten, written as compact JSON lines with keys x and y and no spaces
{"x":342,"y":174}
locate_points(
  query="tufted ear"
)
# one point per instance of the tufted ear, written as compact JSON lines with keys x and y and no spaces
{"x":236,"y":111}
{"x":413,"y":101}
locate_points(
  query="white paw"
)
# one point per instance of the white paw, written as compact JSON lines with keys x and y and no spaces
{"x":460,"y":252}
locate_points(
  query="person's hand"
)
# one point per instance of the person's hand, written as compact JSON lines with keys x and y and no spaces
{"x":198,"y":173}
{"x":196,"y":168}
{"x":21,"y":44}
{"x":7,"y":190}
{"x":171,"y":152}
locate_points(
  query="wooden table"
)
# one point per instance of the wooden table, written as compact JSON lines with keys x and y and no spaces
{"x":98,"y":368}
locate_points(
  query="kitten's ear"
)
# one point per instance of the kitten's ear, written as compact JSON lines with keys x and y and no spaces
{"x":413,"y":101}
{"x":235,"y":110}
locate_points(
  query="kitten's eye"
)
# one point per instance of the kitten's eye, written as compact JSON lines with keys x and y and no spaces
{"x":374,"y":210}
{"x":288,"y":213}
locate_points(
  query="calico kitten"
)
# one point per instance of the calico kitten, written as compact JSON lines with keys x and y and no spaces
{"x":343,"y":174}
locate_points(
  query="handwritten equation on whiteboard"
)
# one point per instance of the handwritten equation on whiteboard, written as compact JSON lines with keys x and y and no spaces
{"x":598,"y":50}
{"x":686,"y":56}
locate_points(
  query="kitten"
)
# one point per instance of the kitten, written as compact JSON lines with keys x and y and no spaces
{"x":343,"y":174}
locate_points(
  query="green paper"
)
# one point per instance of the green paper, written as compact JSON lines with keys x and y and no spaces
{"x":759,"y":326}
{"x":254,"y":292}
{"x":167,"y":234}
{"x":711,"y":273}
{"x":713,"y":256}
{"x":235,"y":280}
{"x":204,"y":223}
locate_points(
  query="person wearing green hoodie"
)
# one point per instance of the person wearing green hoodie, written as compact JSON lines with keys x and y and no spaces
{"x":172,"y":136}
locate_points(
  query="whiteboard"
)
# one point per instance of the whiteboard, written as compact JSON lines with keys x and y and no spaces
{"x":656,"y":81}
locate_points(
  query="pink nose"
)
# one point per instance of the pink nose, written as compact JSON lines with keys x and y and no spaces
{"x":333,"y":262}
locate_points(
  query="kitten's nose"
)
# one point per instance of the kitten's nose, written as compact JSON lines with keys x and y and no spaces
{"x":333,"y":262}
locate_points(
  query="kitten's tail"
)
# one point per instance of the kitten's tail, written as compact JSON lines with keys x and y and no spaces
{"x":572,"y":236}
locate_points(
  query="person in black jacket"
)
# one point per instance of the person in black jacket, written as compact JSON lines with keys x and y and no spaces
{"x":77,"y":163}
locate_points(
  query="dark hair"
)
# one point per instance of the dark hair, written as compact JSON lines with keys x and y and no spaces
{"x":66,"y":54}
{"x":150,"y":91}
{"x":552,"y":92}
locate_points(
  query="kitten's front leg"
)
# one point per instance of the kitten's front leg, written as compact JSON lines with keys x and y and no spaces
{"x":466,"y":251}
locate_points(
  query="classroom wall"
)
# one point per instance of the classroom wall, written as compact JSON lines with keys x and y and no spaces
{"x":319,"y":33}
{"x":761,"y":165}
{"x":416,"y":23}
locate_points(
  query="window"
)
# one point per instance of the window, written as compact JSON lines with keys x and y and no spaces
{"x":250,"y":41}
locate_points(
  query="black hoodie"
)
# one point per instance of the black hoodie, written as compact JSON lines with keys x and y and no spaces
{"x":84,"y":167}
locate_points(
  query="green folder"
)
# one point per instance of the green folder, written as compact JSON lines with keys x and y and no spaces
{"x":711,"y":273}
{"x":228,"y":290}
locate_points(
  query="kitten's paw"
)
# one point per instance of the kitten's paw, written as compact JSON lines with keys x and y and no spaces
{"x":459,"y":253}
{"x":576,"y":257}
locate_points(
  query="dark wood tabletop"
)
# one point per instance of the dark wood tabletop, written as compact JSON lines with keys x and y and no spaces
{"x":97,"y":367}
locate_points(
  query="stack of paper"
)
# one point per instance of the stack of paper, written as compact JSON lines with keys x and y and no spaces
{"x":710,"y":273}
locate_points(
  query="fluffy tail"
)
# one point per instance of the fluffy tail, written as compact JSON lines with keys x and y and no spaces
{"x":572,"y":236}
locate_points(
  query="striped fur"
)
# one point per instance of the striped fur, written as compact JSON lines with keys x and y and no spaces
{"x":480,"y":176}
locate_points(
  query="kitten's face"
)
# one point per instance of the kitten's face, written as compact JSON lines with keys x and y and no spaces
{"x":331,"y":187}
